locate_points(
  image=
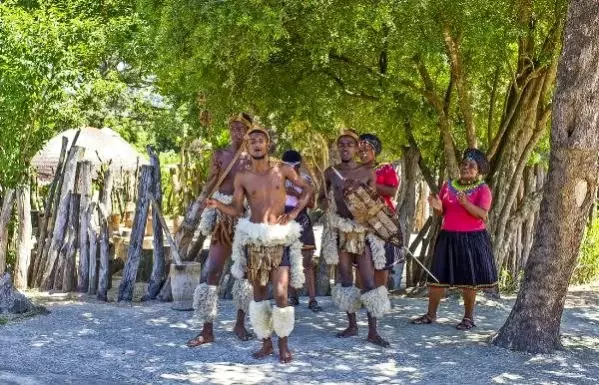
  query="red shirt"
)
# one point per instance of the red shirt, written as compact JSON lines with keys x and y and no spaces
{"x":455,"y":216}
{"x":386,"y":175}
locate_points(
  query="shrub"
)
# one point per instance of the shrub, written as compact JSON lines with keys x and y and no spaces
{"x":587,"y":268}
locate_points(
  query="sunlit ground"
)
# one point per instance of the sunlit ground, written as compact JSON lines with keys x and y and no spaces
{"x":90,"y":342}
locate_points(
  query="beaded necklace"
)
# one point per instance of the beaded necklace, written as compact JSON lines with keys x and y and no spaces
{"x":468,"y":189}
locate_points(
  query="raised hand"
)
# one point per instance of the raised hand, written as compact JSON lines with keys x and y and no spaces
{"x":435,"y":202}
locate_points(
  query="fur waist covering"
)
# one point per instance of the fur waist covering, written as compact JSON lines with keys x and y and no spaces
{"x":334,"y":225}
{"x":262,"y":234}
{"x":210,"y":215}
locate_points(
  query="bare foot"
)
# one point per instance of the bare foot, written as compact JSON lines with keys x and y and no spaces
{"x":265,"y":351}
{"x":284,"y":352}
{"x":378,"y":340}
{"x":242,"y":333}
{"x":351,"y":331}
{"x":201,"y":339}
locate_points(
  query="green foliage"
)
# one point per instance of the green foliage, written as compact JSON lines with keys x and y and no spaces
{"x":508,"y":283}
{"x":49,"y":51}
{"x":3,"y":321}
{"x":587,"y":268}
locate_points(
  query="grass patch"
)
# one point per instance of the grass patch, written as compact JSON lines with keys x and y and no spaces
{"x":3,"y":321}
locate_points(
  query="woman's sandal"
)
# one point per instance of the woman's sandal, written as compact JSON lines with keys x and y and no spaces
{"x":465,"y":324}
{"x":423,"y":320}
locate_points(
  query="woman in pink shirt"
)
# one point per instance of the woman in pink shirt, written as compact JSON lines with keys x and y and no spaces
{"x":463,"y":255}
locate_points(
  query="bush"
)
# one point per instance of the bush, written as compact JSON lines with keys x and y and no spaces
{"x":587,"y":268}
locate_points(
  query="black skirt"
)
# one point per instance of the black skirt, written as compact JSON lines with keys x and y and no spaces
{"x":464,"y":260}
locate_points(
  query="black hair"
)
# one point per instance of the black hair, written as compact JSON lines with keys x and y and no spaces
{"x":291,"y":156}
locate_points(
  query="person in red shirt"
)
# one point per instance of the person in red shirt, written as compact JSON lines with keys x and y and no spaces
{"x":387,"y":183}
{"x":463,"y":256}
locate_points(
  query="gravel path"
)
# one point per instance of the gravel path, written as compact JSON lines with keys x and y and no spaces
{"x":84,"y":342}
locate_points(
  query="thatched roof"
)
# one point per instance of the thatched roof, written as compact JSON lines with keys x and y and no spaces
{"x":102,"y":142}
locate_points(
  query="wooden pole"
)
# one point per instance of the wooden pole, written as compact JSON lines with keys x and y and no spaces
{"x":84,"y":188}
{"x":105,"y":210}
{"x":93,"y":249}
{"x":24,"y":237}
{"x":157,"y":276}
{"x":5,"y":214}
{"x":47,"y":222}
{"x":68,"y":182}
{"x":69,"y":277}
{"x":137,"y":234}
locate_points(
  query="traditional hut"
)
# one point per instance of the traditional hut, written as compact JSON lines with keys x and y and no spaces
{"x":101,"y":145}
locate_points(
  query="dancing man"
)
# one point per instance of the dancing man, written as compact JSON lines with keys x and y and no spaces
{"x":346,"y":242}
{"x":293,"y":159}
{"x":387,"y":183}
{"x":220,"y":227}
{"x":266,"y":247}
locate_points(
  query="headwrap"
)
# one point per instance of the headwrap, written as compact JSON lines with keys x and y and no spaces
{"x":351,"y":133}
{"x":243,"y":118}
{"x":373,"y":141}
{"x":292,"y":158}
{"x":479,"y":157}
{"x":257,"y":128}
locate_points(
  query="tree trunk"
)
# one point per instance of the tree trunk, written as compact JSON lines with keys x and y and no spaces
{"x":93,"y":258}
{"x":11,"y":300}
{"x":157,"y":276}
{"x":85,"y":191}
{"x":5,"y":215}
{"x":24,"y":237}
{"x":137,"y":234}
{"x":534,"y":323}
{"x":105,"y":211}
{"x":68,"y":183}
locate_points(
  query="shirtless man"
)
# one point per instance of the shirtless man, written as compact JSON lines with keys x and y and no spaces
{"x":220,"y":228}
{"x":345,"y":242}
{"x":266,"y":247}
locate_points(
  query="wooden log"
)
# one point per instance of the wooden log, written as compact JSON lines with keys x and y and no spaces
{"x":69,"y":279}
{"x":24,"y":244}
{"x":137,"y":234}
{"x":5,"y":214}
{"x":93,"y":250}
{"x":68,"y":183}
{"x":84,"y":188}
{"x":105,"y":210}
{"x":93,"y":253}
{"x":47,"y":223}
{"x":61,"y":265}
{"x":159,"y":224}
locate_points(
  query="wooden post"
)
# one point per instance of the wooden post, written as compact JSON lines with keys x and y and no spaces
{"x":5,"y":214}
{"x":68,"y":182}
{"x":137,"y":234}
{"x":105,"y":210}
{"x":70,"y":271}
{"x":84,"y":188}
{"x":93,"y":250}
{"x":47,"y":223}
{"x":159,"y":225}
{"x":24,"y":237}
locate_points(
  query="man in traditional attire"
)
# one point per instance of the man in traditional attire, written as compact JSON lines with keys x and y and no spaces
{"x":346,"y":242}
{"x":294,"y":159}
{"x":220,"y":228}
{"x":267,"y":246}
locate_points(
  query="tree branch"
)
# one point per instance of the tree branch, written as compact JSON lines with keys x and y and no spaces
{"x":358,"y":94}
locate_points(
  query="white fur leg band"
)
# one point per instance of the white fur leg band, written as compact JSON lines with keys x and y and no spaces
{"x":346,"y":298}
{"x":243,"y":292}
{"x":205,"y":303}
{"x":261,"y":318}
{"x":283,"y":320}
{"x":296,"y":270}
{"x":376,"y":301}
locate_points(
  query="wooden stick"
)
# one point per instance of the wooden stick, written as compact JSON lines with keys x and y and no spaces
{"x":169,"y":237}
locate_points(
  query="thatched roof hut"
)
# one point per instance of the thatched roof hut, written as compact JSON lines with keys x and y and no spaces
{"x":99,"y":143}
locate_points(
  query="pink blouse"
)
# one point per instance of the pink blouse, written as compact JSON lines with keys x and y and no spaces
{"x":455,"y":216}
